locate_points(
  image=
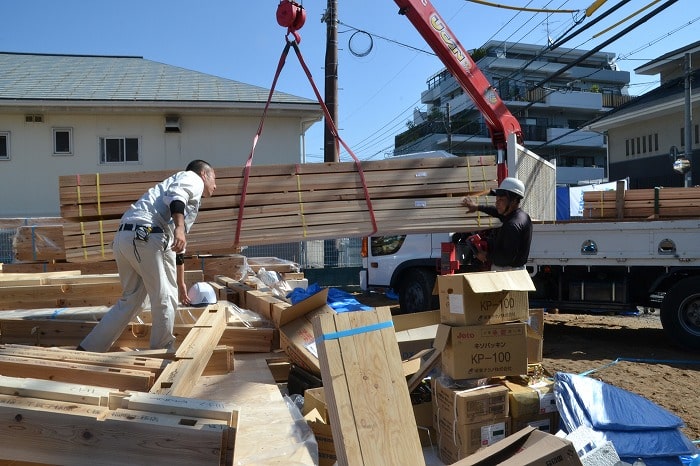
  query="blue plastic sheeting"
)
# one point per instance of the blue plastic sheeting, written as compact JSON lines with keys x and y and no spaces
{"x":637,"y":427}
{"x":338,"y":300}
{"x":563,"y":203}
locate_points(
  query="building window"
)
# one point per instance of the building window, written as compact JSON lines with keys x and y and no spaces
{"x":632,"y":146}
{"x":644,"y":144}
{"x":4,"y":145}
{"x":656,"y":141}
{"x":697,"y":134}
{"x":627,"y":147}
{"x":119,"y":150}
{"x":33,"y":118}
{"x":682,"y":137}
{"x":62,"y":141}
{"x":650,"y":145}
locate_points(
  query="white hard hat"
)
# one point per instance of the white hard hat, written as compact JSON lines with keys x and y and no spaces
{"x":201,"y":294}
{"x":512,"y":185}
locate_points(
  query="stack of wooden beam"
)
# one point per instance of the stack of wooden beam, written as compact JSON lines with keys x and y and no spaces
{"x":135,"y":406}
{"x":39,"y":243}
{"x":642,"y":203}
{"x":287,"y":203}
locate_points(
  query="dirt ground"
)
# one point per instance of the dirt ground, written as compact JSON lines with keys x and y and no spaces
{"x":577,"y":343}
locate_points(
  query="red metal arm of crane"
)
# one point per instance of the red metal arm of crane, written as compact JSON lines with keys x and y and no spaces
{"x":444,"y":43}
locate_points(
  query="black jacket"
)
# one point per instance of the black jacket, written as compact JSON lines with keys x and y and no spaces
{"x":510,"y":246}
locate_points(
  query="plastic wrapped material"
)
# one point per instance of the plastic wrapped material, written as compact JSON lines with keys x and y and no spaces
{"x":637,"y":427}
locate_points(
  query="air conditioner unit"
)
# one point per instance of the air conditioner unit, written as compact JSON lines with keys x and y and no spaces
{"x":172,"y":124}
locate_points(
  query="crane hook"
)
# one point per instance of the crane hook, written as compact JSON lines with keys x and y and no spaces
{"x":291,"y":15}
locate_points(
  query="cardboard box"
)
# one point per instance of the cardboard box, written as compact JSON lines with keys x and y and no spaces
{"x":472,"y":405}
{"x":315,"y":398}
{"x":480,"y":298}
{"x":545,"y":422}
{"x":486,"y":351}
{"x":423,"y":413}
{"x":297,"y":332}
{"x":469,"y":438}
{"x":415,"y":332}
{"x":531,"y":400}
{"x":527,"y":447}
{"x":324,"y":439}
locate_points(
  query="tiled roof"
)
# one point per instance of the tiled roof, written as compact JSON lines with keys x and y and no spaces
{"x":120,"y":78}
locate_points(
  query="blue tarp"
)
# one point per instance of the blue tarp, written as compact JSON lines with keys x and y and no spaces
{"x":637,"y":427}
{"x":563,"y":207}
{"x":339,"y":300}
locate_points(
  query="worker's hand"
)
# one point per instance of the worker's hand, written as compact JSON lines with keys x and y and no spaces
{"x":182,"y":292}
{"x":469,"y":204}
{"x":482,"y":256}
{"x":180,"y":240}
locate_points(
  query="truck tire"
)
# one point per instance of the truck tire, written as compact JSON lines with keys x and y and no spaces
{"x":416,"y":291}
{"x":680,"y":313}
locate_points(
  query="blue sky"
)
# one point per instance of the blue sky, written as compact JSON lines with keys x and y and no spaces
{"x":377,"y":92}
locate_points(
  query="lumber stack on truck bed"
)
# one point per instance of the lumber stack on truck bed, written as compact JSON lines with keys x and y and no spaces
{"x":638,"y":204}
{"x":287,"y":203}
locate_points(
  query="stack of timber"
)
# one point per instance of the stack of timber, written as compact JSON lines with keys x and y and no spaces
{"x":61,"y":308}
{"x":657,"y":203}
{"x":288,"y":203}
{"x":194,"y":401}
{"x":33,"y":243}
{"x":38,"y":247}
{"x":136,"y":409}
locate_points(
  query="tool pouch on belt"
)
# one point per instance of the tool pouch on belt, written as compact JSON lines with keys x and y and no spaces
{"x":142,"y":232}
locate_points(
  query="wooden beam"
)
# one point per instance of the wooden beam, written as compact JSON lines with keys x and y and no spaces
{"x":52,"y":332}
{"x":193,"y":354}
{"x":122,"y":379}
{"x":56,"y":432}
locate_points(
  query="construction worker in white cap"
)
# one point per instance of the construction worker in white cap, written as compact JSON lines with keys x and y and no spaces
{"x":509,"y":248}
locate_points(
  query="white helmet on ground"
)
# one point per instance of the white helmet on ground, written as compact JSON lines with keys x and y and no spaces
{"x":202,"y":294}
{"x":511,"y":185}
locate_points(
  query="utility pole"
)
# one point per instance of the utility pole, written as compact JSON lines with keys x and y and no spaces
{"x":688,"y":123}
{"x":330,"y":143}
{"x":448,"y":127}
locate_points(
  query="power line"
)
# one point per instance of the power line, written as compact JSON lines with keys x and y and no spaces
{"x":379,"y":134}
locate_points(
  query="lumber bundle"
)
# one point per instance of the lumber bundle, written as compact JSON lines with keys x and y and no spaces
{"x":71,"y":423}
{"x":70,"y":289}
{"x":287,"y":203}
{"x":642,"y":203}
{"x":39,"y":243}
{"x":368,"y":400}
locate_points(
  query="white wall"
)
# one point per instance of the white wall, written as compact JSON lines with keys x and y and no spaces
{"x":29,"y":180}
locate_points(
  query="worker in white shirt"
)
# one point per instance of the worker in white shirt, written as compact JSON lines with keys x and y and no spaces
{"x":149,"y":248}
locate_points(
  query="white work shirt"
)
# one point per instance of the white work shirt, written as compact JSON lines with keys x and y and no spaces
{"x":153,"y":208}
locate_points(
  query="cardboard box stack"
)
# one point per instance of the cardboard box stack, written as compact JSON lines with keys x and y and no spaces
{"x":487,"y":318}
{"x":532,"y":404}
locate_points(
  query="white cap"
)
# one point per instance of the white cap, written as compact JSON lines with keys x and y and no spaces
{"x":201,"y":294}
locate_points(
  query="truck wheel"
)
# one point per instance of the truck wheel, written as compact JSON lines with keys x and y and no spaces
{"x":416,"y":291}
{"x":680,"y":313}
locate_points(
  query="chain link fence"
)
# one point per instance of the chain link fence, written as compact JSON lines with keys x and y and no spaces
{"x":6,"y":252}
{"x":316,"y":254}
